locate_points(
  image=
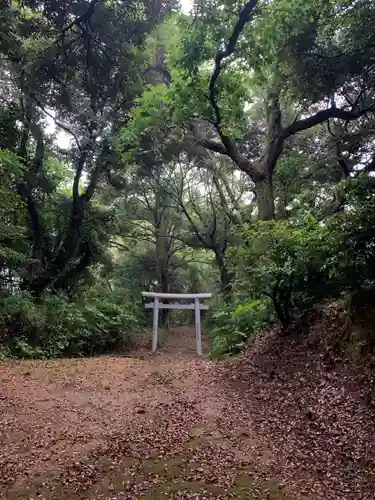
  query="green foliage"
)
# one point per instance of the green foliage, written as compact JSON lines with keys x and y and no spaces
{"x":141,"y":198}
{"x":12,"y":212}
{"x":56,"y":327}
{"x":299,"y":262}
{"x":279,"y":256}
{"x":235,"y":326}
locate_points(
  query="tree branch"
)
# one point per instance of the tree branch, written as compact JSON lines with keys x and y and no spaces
{"x":119,"y":245}
{"x":323,"y":116}
{"x":215,"y":146}
{"x":190,"y":243}
{"x":230,"y":147}
{"x":83,"y":18}
{"x":57,"y":123}
{"x":77,"y":176}
{"x":243,"y":18}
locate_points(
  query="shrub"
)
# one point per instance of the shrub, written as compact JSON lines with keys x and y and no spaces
{"x":235,"y":326}
{"x":56,"y":327}
{"x":298,"y":263}
{"x":283,"y":261}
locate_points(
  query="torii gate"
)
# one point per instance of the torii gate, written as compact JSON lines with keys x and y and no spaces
{"x":196,"y":306}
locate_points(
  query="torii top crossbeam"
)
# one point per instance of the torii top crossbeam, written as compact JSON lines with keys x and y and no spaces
{"x":180,"y":296}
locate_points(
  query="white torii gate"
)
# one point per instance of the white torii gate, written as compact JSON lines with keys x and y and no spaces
{"x":196,"y":306}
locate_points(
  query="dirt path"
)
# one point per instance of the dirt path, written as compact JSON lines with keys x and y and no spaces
{"x":164,"y":426}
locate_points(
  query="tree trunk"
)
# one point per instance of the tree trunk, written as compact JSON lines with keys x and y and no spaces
{"x":264,"y":198}
{"x":163,"y":258}
{"x":68,"y":279}
{"x":226,"y":277}
{"x":164,"y":282}
{"x":67,"y":251}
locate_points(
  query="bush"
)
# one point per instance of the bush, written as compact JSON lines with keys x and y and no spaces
{"x":235,"y":326}
{"x":298,"y":263}
{"x":56,"y":327}
{"x":285,"y":262}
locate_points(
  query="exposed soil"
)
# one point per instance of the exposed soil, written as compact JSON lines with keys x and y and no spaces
{"x":280,"y":423}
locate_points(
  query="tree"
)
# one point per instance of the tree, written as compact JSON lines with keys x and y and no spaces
{"x":265,"y":58}
{"x":81,"y":65}
{"x":145,"y":215}
{"x":210,"y":204}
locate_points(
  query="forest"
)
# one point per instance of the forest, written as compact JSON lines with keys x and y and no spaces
{"x":224,"y":147}
{"x":219,"y":146}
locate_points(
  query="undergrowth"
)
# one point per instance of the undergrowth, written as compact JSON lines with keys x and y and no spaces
{"x":56,"y":327}
{"x":235,"y":326}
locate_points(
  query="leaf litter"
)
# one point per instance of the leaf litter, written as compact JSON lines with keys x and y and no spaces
{"x":275,"y":423}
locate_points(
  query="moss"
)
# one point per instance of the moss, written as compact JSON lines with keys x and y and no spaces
{"x":182,"y":486}
{"x":164,"y":468}
{"x":170,"y":475}
{"x":195,"y":443}
{"x":246,"y":488}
